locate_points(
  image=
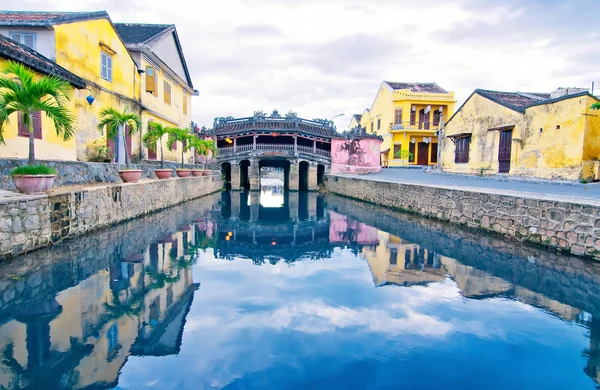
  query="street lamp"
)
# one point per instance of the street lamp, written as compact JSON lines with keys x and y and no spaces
{"x":338,"y":115}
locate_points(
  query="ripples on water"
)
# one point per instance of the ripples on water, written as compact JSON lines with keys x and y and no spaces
{"x":296,"y":291}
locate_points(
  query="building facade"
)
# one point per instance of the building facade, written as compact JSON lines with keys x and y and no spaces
{"x":114,"y":66}
{"x":527,"y":134}
{"x":407,"y":116}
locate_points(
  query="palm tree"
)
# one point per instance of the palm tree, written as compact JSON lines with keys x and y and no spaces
{"x":203,"y":147}
{"x":22,"y":92}
{"x":115,"y":122}
{"x":183,"y":136}
{"x":154,"y":136}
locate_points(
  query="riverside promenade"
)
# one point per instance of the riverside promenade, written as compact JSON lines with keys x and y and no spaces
{"x":563,"y":216}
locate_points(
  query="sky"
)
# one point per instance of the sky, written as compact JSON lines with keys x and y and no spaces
{"x":321,"y":58}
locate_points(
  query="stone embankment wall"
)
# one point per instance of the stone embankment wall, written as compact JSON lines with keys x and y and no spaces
{"x":80,"y":172}
{"x":567,"y":226}
{"x":32,"y":222}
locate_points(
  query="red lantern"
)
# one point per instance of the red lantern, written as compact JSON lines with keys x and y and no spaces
{"x":274,"y":134}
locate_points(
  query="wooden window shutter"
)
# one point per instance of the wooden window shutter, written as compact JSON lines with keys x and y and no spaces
{"x":150,"y":80}
{"x":185,"y":110}
{"x":411,"y":150}
{"x":413,"y":117}
{"x":23,"y":129}
{"x":398,"y":118}
{"x":167,"y":87}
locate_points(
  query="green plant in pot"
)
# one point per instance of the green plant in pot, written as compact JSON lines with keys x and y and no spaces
{"x":23,"y":93}
{"x":185,"y":138}
{"x":203,"y":147}
{"x":154,"y":137}
{"x":116,"y":124}
{"x":404,"y":155}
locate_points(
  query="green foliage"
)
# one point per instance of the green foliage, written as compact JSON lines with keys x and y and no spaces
{"x":155,"y":133}
{"x":112,"y":119}
{"x":22,"y":92}
{"x":179,"y":135}
{"x":98,"y":152}
{"x":33,"y":170}
{"x":404,"y":154}
{"x":596,"y":106}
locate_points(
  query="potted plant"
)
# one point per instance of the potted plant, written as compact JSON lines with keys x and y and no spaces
{"x":183,"y":136}
{"x":202,"y":147}
{"x":24,"y":93}
{"x":404,"y":155}
{"x":115,"y":123}
{"x":154,"y":136}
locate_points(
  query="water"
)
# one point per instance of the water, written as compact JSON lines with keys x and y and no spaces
{"x":296,"y":292}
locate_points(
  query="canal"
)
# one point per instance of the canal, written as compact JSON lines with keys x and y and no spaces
{"x":294,"y":290}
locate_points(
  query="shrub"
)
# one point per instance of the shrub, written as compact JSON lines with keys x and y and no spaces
{"x":34,"y":170}
{"x":99,"y":152}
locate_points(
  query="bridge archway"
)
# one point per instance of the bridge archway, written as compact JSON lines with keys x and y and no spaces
{"x":303,"y":176}
{"x":320,"y":174}
{"x":245,"y":175}
{"x":277,"y":163}
{"x":226,"y":174}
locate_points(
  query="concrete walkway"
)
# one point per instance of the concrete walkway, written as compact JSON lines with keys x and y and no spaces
{"x":546,"y":190}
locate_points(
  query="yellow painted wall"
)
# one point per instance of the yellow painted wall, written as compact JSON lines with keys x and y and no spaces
{"x":549,"y":153}
{"x":353,"y":123}
{"x":78,"y":49}
{"x":384,"y":108}
{"x":51,"y":146}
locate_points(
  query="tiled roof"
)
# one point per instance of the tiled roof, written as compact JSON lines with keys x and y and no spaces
{"x":417,"y":87}
{"x":303,"y":126}
{"x":12,"y":50}
{"x":357,"y":117}
{"x":140,"y":33}
{"x":513,"y":100}
{"x":41,"y":18}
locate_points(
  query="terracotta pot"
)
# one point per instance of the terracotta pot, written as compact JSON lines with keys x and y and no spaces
{"x":205,"y":173}
{"x":197,"y":172}
{"x":130,"y":175}
{"x":183,"y":172}
{"x":163,"y":173}
{"x":31,"y":184}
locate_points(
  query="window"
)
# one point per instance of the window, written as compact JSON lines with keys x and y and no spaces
{"x":411,"y":150}
{"x":413,"y":116}
{"x":372,"y":127}
{"x":398,"y":116}
{"x":378,"y":123}
{"x":461,"y":151}
{"x":167,"y":88}
{"x":37,"y":125}
{"x":185,"y":108}
{"x":106,"y":66}
{"x":27,"y":39}
{"x":436,"y":117}
{"x":397,"y":150}
{"x":151,"y":80}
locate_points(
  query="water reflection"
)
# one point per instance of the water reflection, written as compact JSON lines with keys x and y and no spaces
{"x":299,"y":291}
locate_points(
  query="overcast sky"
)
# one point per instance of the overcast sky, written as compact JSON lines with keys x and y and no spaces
{"x":320,"y":58}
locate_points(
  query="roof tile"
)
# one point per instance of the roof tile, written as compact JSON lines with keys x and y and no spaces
{"x":417,"y":87}
{"x":132,"y":33}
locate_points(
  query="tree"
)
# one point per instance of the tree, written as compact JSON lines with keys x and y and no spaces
{"x":154,"y":135}
{"x":203,"y":147}
{"x":596,"y":106}
{"x":115,"y":121}
{"x":183,"y":136}
{"x":22,"y":92}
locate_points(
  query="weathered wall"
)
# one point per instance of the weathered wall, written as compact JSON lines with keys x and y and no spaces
{"x":566,"y":226}
{"x":355,"y":156}
{"x":78,"y":172}
{"x":32,"y":222}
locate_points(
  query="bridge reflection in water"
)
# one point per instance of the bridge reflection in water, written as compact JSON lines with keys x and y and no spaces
{"x":71,"y":315}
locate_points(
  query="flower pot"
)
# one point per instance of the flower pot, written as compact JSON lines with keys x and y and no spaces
{"x":163,"y":173}
{"x":205,"y":173}
{"x":197,"y":172}
{"x":130,"y":175}
{"x":31,"y":184}
{"x":183,"y":172}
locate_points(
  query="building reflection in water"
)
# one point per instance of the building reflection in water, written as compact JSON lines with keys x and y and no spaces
{"x":81,"y":336}
{"x":79,"y":333}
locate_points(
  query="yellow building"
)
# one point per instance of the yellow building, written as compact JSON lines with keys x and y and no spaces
{"x":116,"y":68}
{"x":355,"y":121}
{"x":407,"y":116}
{"x":529,"y":134}
{"x":165,"y":82}
{"x":48,"y":144}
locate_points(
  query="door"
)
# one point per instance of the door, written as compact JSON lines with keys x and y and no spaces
{"x":152,"y":153}
{"x":504,"y":151}
{"x":423,"y":154}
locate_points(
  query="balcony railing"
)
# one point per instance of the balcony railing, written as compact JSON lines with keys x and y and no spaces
{"x":229,"y":150}
{"x":416,"y":125}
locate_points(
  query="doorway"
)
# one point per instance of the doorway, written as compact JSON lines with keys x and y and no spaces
{"x":303,"y":176}
{"x":423,"y":154}
{"x":504,"y":151}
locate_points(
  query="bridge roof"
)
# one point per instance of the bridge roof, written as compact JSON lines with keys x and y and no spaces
{"x":263,"y":124}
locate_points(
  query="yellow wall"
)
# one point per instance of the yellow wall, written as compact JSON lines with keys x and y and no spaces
{"x":353,"y":123}
{"x":50,"y":147}
{"x":78,"y":48}
{"x":549,"y":153}
{"x":166,"y":114}
{"x":384,"y":109}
